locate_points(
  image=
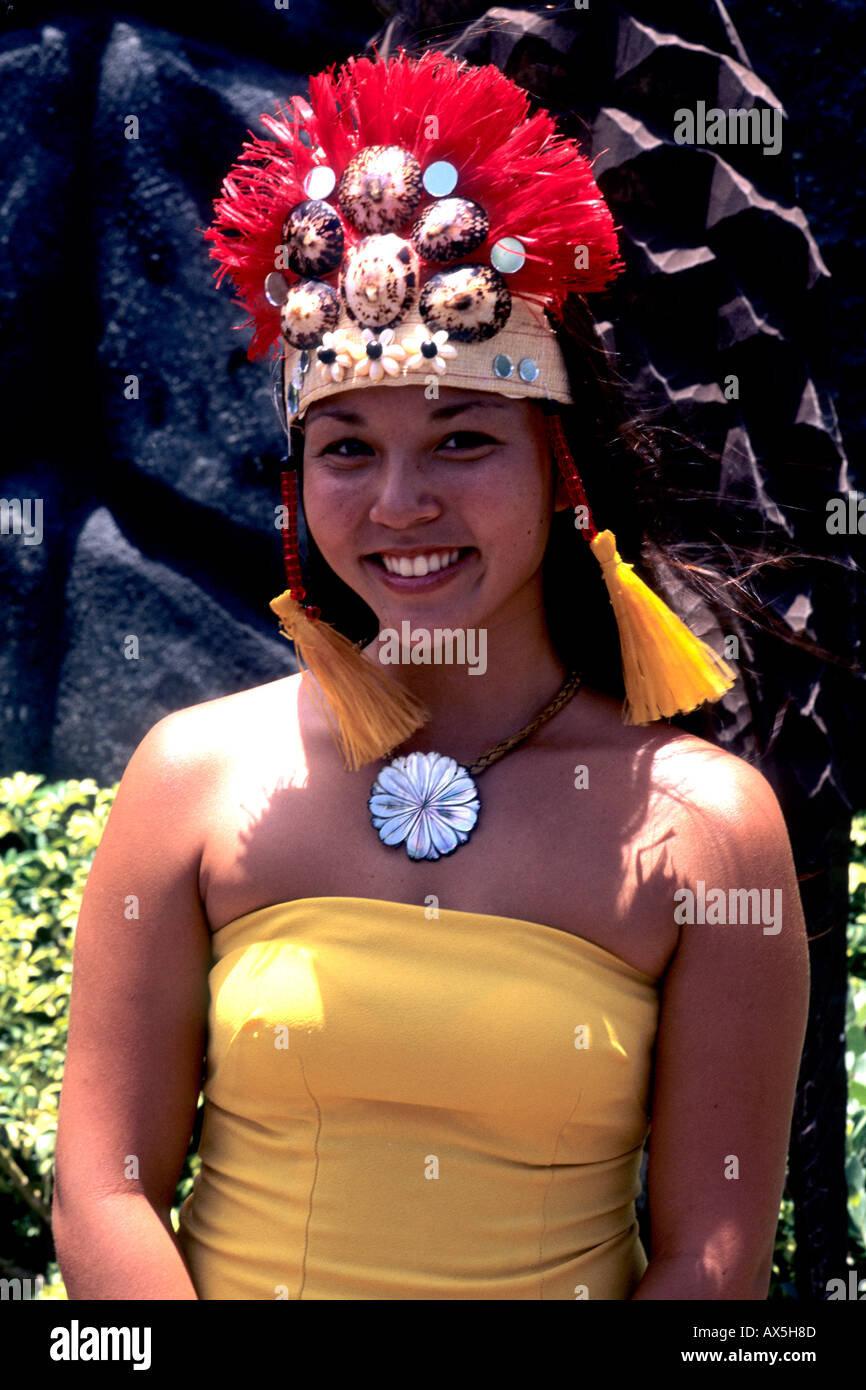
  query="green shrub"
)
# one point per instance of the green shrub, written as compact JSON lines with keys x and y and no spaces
{"x":48,"y":837}
{"x":782,"y":1282}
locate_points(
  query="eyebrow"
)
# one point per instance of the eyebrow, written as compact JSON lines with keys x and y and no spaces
{"x":444,"y":412}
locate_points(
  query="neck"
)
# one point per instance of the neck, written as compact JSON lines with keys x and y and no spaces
{"x":500,"y":685}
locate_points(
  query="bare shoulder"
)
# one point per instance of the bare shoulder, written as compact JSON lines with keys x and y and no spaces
{"x":704,"y":793}
{"x":197,"y":735}
{"x":726,"y":812}
{"x":688,"y":764}
{"x":732,"y":873}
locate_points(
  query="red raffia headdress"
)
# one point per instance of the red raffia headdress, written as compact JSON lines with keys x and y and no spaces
{"x":414,"y":221}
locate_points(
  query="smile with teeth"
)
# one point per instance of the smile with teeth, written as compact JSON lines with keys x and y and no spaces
{"x":419,"y":564}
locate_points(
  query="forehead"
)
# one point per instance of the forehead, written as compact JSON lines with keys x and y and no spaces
{"x":383,"y":404}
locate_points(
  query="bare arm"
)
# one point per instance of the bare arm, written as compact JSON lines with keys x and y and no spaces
{"x":137,"y":1029}
{"x":731,"y":1031}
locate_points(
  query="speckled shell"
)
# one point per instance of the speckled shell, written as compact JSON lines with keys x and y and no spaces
{"x":471,"y":302}
{"x":311,"y":309}
{"x":380,"y":188}
{"x":387,"y":267}
{"x":313,"y":234}
{"x":450,"y":229}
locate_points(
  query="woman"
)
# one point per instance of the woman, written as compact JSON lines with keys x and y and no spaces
{"x":441,"y":1003}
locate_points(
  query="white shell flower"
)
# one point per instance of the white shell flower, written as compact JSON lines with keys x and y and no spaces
{"x":335,"y":342}
{"x":390,"y":359}
{"x":434,"y":361}
{"x":426,"y":799}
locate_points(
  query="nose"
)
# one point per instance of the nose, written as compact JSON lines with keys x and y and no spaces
{"x":403,"y":497}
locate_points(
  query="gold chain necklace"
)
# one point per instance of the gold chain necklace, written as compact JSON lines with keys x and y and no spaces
{"x":431,"y":802}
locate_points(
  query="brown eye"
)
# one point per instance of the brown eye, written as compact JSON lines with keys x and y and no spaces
{"x":466,"y":440}
{"x":354,"y":447}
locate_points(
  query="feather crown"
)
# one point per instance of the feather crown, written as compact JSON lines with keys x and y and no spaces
{"x":526,"y":206}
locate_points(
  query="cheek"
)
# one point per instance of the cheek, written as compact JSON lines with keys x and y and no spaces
{"x":330,"y":509}
{"x":517,"y":504}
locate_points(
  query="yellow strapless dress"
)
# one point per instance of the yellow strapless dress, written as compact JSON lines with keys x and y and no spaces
{"x":400,"y":1106}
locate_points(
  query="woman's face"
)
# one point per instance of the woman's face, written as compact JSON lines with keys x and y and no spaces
{"x":391,"y":477}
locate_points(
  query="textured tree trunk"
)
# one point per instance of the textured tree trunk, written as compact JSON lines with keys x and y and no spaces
{"x":816,"y":1174}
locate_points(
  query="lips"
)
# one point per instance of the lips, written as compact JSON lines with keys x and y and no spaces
{"x":443,"y":559}
{"x":427,"y":562}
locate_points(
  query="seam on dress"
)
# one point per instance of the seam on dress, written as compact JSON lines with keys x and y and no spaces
{"x":315,"y":1179}
{"x":543,"y":1234}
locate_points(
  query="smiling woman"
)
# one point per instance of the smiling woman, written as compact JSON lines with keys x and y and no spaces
{"x":439,"y":1022}
{"x":407,"y":485}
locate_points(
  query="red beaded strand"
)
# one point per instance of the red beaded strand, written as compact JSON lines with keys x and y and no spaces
{"x":291,"y":557}
{"x":568,"y":469}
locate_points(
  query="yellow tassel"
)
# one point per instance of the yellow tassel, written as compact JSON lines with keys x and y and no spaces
{"x":666,"y":669}
{"x":367,"y":714}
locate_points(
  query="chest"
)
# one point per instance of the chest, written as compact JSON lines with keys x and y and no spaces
{"x":551,"y":846}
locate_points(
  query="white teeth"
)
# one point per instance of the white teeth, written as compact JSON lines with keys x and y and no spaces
{"x":420,"y":564}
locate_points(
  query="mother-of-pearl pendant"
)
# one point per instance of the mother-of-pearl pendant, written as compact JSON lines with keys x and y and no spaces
{"x":427,"y":800}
